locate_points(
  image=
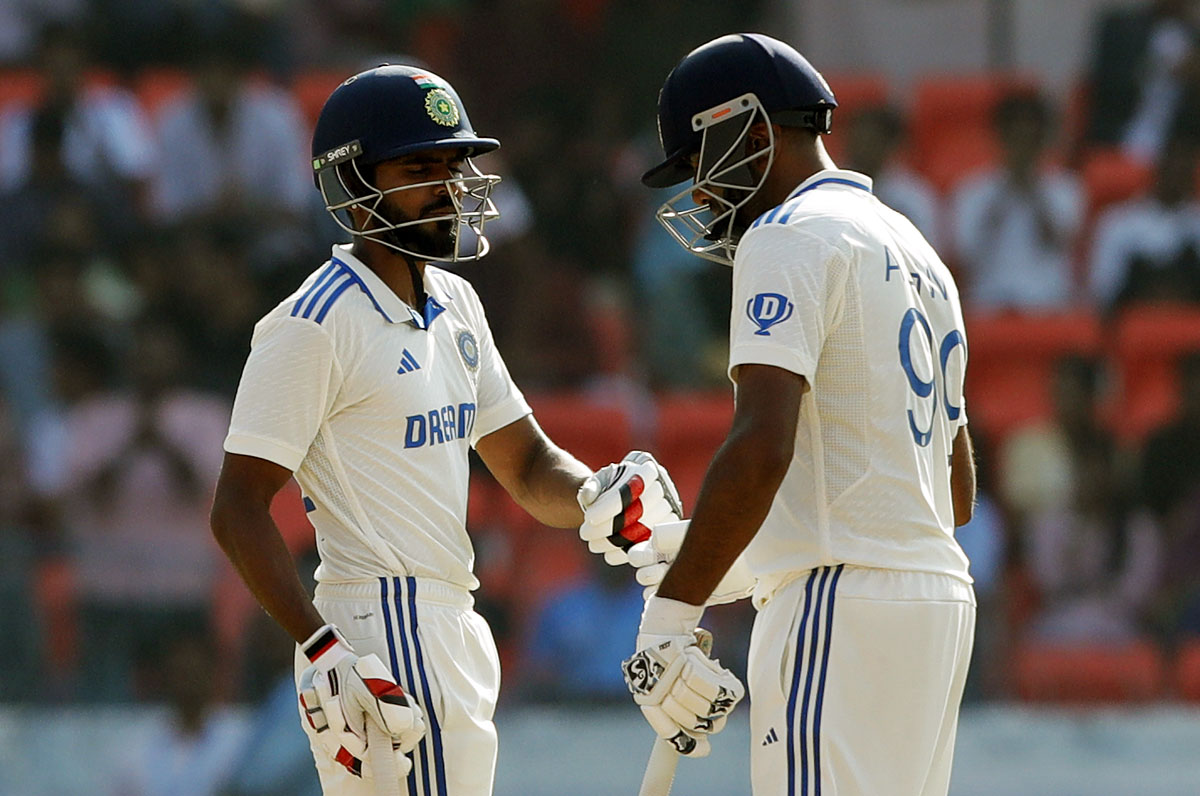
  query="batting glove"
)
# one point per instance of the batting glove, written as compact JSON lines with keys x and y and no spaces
{"x":653,"y":557}
{"x":622,"y":502}
{"x":684,"y":695}
{"x":340,"y":692}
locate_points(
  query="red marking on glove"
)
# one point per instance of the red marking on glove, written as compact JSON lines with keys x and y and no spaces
{"x":349,"y":761}
{"x":380,"y":688}
{"x":635,"y":532}
{"x":633,"y":512}
{"x":636,"y":486}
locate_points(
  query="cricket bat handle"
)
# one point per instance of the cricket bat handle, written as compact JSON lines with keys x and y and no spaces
{"x":385,"y":768}
{"x":660,"y":770}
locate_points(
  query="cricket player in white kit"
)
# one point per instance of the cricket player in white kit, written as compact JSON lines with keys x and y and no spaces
{"x":369,"y":384}
{"x":848,"y":464}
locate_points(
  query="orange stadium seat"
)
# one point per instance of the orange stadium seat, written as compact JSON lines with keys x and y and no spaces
{"x":1012,"y":359}
{"x":1110,"y":176}
{"x":1187,"y":670}
{"x":1149,"y":342}
{"x":595,"y":433}
{"x":311,"y":89}
{"x":691,"y":426}
{"x":1089,"y":673}
{"x":19,"y":86}
{"x":952,"y":135}
{"x":157,"y":87}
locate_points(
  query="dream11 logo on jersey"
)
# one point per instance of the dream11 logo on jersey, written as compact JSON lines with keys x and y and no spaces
{"x":768,"y":309}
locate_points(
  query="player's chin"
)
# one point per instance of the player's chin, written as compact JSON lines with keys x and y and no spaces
{"x":439,"y":240}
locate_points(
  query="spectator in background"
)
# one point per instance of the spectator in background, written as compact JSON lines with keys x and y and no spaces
{"x":875,"y":136}
{"x":141,"y":464}
{"x":578,"y":642}
{"x":1095,"y":561}
{"x":223,"y":145}
{"x":1145,"y":79}
{"x":1148,"y":249}
{"x":1039,"y":464}
{"x":1015,"y":225}
{"x":192,"y":753}
{"x":20,"y":665}
{"x":233,"y":155}
{"x":106,"y":141}
{"x":1170,"y":488}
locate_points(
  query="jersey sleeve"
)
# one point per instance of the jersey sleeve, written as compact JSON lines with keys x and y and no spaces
{"x":786,"y":293}
{"x":288,"y":387}
{"x":499,"y":400}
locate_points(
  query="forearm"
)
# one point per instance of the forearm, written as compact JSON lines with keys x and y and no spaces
{"x":737,"y":493}
{"x":549,"y":484}
{"x":253,"y":544}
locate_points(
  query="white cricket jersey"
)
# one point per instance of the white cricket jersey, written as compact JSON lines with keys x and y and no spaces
{"x":837,"y":287}
{"x":373,"y":406}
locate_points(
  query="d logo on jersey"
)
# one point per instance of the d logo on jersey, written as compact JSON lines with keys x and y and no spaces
{"x":768,"y":309}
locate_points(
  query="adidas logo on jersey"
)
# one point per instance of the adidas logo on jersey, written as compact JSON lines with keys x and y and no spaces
{"x":771,"y":738}
{"x":408,"y":363}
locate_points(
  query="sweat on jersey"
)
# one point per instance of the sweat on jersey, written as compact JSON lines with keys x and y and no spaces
{"x":836,"y":287}
{"x":373,"y":407}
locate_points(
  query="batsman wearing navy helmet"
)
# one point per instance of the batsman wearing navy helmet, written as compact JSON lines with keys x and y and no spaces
{"x":369,"y":384}
{"x":834,"y":499}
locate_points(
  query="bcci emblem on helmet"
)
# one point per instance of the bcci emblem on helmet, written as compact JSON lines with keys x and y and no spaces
{"x":441,"y":108}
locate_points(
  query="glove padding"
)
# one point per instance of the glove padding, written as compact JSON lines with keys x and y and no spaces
{"x":622,"y":502}
{"x":684,"y":695}
{"x":652,"y":558}
{"x":340,"y":692}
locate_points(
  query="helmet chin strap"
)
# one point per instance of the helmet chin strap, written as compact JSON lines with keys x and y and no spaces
{"x":418,"y":282}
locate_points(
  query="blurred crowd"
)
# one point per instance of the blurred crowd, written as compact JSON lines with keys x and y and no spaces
{"x":156,"y":199}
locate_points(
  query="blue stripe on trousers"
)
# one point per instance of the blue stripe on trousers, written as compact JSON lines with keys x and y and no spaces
{"x":396,"y":671}
{"x":422,"y":747}
{"x":439,"y":759}
{"x":791,"y":704}
{"x":808,"y":682}
{"x":837,"y":573}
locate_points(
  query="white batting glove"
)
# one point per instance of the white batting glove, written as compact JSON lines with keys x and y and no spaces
{"x":340,"y":692}
{"x":653,"y":557}
{"x":622,"y":502}
{"x":684,"y":695}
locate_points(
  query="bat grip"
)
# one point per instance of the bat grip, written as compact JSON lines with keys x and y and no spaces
{"x":660,"y":769}
{"x":384,"y":766}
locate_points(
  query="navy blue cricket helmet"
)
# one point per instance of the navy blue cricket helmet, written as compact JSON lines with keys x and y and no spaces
{"x":789,"y":89}
{"x":388,"y":112}
{"x":707,"y":109}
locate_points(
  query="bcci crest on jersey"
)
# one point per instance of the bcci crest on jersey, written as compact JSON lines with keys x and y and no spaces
{"x":768,"y":309}
{"x":468,"y":349}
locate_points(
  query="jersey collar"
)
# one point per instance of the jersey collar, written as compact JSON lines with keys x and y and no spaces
{"x":387,"y":303}
{"x":845,"y":177}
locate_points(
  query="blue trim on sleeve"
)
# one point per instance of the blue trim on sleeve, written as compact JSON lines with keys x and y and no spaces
{"x":333,"y":297}
{"x":318,"y":287}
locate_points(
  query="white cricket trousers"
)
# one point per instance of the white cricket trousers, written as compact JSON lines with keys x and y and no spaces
{"x":855,"y":677}
{"x":442,"y":653}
